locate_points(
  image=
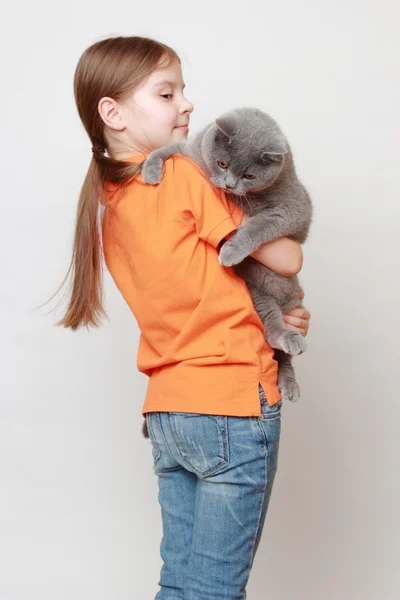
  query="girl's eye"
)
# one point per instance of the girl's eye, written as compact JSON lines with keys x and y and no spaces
{"x":249,"y":176}
{"x":222,"y":164}
{"x":167,"y":96}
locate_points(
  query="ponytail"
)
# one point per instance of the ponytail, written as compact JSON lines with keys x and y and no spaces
{"x":112,"y":67}
{"x":86,"y":301}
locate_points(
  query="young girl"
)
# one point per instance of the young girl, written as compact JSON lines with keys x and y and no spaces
{"x":212,"y":406}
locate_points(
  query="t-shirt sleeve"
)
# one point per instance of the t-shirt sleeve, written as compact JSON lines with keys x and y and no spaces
{"x":215,"y":216}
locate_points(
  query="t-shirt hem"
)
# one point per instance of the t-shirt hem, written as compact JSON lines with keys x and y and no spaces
{"x":233,"y":408}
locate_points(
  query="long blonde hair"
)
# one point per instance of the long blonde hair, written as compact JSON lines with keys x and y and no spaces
{"x":112,"y":67}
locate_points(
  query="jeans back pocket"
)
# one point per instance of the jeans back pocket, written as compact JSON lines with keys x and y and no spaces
{"x":202,"y":441}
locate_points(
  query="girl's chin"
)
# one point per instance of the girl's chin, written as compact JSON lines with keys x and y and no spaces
{"x":180,"y":132}
{"x":178,"y":135}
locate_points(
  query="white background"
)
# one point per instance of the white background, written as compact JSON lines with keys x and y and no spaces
{"x":79,"y":516}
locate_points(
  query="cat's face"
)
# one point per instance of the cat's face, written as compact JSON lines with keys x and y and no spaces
{"x":246,"y":152}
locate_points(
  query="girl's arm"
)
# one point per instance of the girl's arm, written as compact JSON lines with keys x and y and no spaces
{"x":284,"y":256}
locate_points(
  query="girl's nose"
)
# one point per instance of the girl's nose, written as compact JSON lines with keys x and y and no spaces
{"x":188,"y":107}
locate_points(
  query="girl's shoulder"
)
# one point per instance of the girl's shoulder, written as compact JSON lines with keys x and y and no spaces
{"x":180,"y":166}
{"x":179,"y":173}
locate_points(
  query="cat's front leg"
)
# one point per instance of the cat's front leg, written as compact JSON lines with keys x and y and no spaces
{"x":235,"y":249}
{"x":258,"y":230}
{"x":152,"y":168}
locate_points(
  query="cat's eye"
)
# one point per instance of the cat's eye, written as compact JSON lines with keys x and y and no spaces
{"x":222,"y":164}
{"x":249,"y":176}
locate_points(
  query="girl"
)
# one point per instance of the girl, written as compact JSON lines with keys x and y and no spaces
{"x":212,"y":406}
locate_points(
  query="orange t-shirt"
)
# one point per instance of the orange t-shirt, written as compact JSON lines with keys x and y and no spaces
{"x":202,"y":342}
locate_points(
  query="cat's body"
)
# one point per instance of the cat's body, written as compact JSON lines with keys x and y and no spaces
{"x":245,"y":153}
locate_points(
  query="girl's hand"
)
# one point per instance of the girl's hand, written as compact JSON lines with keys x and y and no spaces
{"x":298,"y":318}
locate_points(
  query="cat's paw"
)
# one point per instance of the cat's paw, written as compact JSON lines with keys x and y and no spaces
{"x":289,"y":390}
{"x":291,"y":342}
{"x":151,"y":171}
{"x":230,"y":254}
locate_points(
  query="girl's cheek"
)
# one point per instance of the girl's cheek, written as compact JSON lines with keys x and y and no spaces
{"x":165,"y":114}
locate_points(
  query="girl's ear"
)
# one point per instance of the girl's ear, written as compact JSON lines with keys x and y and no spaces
{"x":110,"y":113}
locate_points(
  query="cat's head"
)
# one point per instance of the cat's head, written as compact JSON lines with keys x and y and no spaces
{"x":244,"y":150}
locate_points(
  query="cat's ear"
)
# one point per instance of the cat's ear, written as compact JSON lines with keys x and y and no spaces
{"x":278,"y":145}
{"x":226,"y":125}
{"x":269,"y":157}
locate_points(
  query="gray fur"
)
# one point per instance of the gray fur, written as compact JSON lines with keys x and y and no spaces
{"x":251,"y":143}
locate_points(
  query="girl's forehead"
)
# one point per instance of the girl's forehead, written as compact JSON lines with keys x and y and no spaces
{"x":163,"y":75}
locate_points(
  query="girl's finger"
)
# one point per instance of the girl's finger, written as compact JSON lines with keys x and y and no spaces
{"x":296,"y":321}
{"x":303,"y":313}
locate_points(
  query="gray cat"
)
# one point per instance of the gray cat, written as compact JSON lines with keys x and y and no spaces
{"x":245,"y":153}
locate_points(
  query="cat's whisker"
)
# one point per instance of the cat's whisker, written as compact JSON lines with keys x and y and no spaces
{"x":248,"y":203}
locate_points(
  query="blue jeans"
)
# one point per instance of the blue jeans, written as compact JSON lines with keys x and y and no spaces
{"x":215,"y":477}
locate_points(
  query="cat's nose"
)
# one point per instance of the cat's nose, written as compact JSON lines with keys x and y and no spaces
{"x":229,"y":187}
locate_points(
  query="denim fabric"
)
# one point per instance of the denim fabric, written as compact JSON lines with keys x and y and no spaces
{"x":215,"y":477}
